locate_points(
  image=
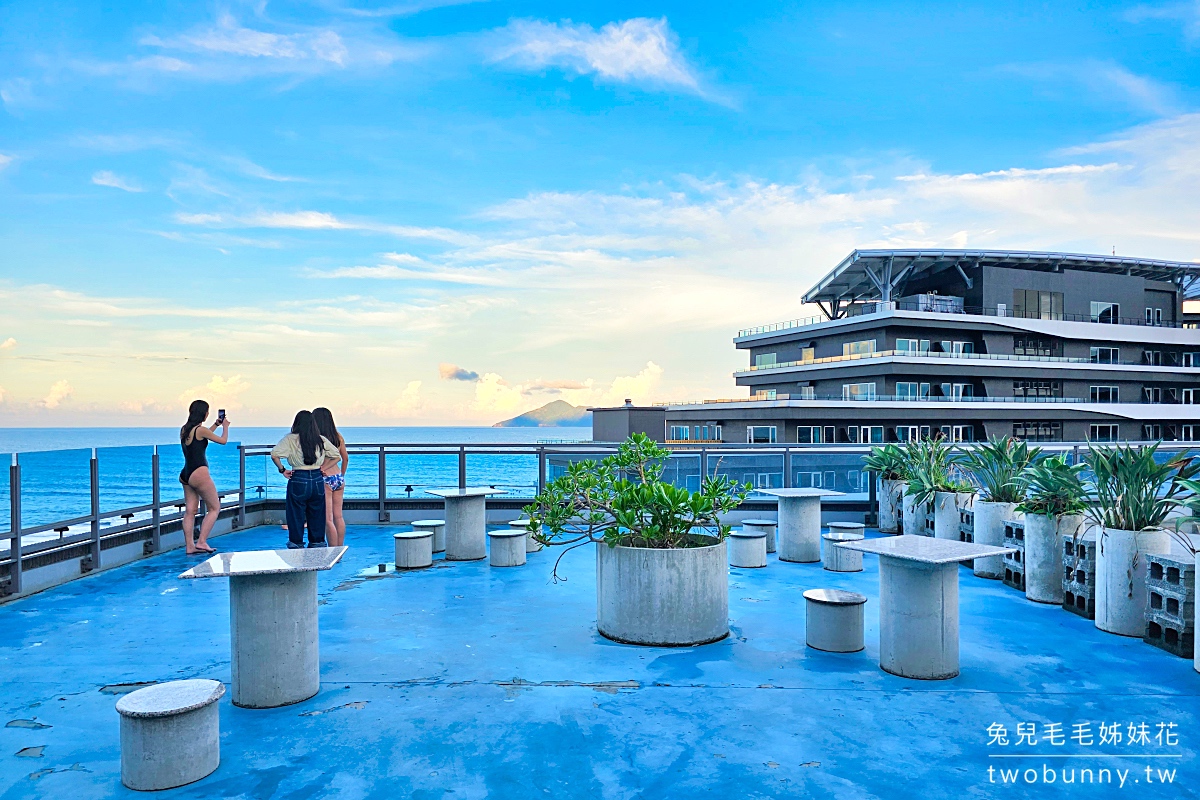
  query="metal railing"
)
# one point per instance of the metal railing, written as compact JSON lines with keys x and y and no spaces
{"x":869,"y":309}
{"x":965,"y":356}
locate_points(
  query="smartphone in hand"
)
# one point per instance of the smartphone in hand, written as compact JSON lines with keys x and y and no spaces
{"x":220,"y":416}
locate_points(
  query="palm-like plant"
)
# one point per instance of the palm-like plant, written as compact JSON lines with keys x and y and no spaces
{"x":887,"y":461}
{"x":1053,"y":488}
{"x":1192,"y":504}
{"x":1132,"y":490}
{"x":998,"y":466}
{"x":932,"y":467}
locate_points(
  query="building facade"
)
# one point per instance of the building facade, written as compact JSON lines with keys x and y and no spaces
{"x":970,"y":344}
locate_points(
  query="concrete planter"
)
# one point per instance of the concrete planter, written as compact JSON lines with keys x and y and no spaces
{"x":1121,"y":578}
{"x":945,"y":513}
{"x":672,"y":598}
{"x":1043,"y":559}
{"x":989,"y":530}
{"x":890,"y":510}
{"x":913,"y":516}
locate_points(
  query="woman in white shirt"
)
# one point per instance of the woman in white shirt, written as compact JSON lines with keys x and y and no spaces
{"x":306,"y":452}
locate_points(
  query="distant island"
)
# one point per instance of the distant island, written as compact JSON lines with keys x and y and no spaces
{"x":556,"y":414}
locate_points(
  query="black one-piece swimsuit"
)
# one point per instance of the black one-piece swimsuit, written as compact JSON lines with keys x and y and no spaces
{"x":193,"y":457}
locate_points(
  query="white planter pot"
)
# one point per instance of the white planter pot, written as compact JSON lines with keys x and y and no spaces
{"x":1043,"y":559}
{"x":890,"y":493}
{"x":913,"y":516}
{"x":1121,"y":578}
{"x":989,"y":530}
{"x":945,"y":513}
{"x":669,"y":598}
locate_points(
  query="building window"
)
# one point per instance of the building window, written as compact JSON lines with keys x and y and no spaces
{"x":959,"y":433}
{"x":680,"y":433}
{"x":912,"y":391}
{"x":1189,"y":396}
{"x":912,"y":346}
{"x":958,"y":347}
{"x":1034,"y":346}
{"x":1190,"y":433}
{"x":1105,"y":394}
{"x":1106,"y":312}
{"x":1154,"y":316}
{"x":808,"y":393}
{"x":766,"y":394}
{"x":1106,"y":355}
{"x":1153,"y":358}
{"x":765,"y":360}
{"x":1152,"y":394}
{"x":861,"y":348}
{"x":707,"y":433}
{"x":957,"y":391}
{"x":1104,"y":433}
{"x":1038,"y":431}
{"x":760,"y":434}
{"x":1032,"y":304}
{"x":1191,"y":359}
{"x":808,"y":354}
{"x":1037,"y":388}
{"x":869,"y":434}
{"x":1151,"y":433}
{"x":858,"y":391}
{"x":814,"y":434}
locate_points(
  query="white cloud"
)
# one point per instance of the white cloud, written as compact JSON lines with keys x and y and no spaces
{"x":321,"y":221}
{"x":5,"y":160}
{"x":59,"y":392}
{"x":8,"y":344}
{"x":220,"y":392}
{"x":231,"y":38}
{"x":1107,"y":80}
{"x":636,"y":50}
{"x":107,"y":178}
{"x":1186,"y":13}
{"x":494,"y":395}
{"x":453,"y":372}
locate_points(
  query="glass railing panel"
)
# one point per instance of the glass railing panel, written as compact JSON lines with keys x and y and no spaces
{"x":5,"y":497}
{"x":126,"y":480}
{"x":413,"y":474}
{"x":55,"y":485}
{"x":514,"y":473}
{"x":839,"y":471}
{"x":761,"y":470}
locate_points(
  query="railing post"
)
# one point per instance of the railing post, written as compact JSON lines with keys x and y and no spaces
{"x":462,"y":467}
{"x":94,"y":469}
{"x":787,"y":467}
{"x":14,"y":533}
{"x":871,"y":515}
{"x":156,"y":502}
{"x":703,"y":465}
{"x":241,"y":517}
{"x":541,"y":479}
{"x":383,"y":514}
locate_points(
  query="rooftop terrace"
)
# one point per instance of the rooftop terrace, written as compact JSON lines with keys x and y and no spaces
{"x":467,"y":681}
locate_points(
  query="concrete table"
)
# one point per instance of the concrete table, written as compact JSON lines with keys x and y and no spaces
{"x":272,"y":621}
{"x":800,"y":523}
{"x":466,"y":521}
{"x":918,"y":601}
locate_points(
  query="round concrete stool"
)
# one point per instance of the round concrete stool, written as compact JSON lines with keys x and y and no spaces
{"x":414,"y":549}
{"x":531,"y":544}
{"x":847,"y":527}
{"x":507,"y":547}
{"x":170,"y":734}
{"x":841,"y":559}
{"x":767,"y":526}
{"x":438,"y":528}
{"x":748,"y":548}
{"x":834,"y":620}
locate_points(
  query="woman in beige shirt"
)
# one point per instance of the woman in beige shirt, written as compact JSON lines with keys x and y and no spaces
{"x":306,"y":452}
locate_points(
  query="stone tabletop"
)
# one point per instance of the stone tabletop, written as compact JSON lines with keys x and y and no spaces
{"x":169,"y":699}
{"x":800,"y":492}
{"x":266,"y":562}
{"x":925,"y":549}
{"x":470,"y":491}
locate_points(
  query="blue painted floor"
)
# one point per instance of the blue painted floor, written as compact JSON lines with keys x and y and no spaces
{"x":464,"y":681}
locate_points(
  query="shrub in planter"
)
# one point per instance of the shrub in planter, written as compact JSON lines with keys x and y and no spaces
{"x":1054,"y":502}
{"x":888,"y":462}
{"x":1132,"y":494}
{"x":997,"y":467}
{"x":935,"y":480}
{"x":1185,"y":542}
{"x":661,"y":571}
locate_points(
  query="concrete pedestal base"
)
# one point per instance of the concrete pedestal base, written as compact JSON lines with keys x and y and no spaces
{"x":1121,"y":578}
{"x":466,"y":528}
{"x":662,"y":597}
{"x":764,"y":526}
{"x":839,"y":559}
{"x":170,"y":734}
{"x":1043,"y":559}
{"x":414,"y":549}
{"x":438,"y":528}
{"x":508,"y":547}
{"x":800,"y":529}
{"x":273,"y":630}
{"x":747,"y":549}
{"x":890,"y":494}
{"x":833,"y":620}
{"x":918,"y":619}
{"x":989,"y":530}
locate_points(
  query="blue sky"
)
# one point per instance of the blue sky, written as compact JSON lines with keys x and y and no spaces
{"x":452,"y":212}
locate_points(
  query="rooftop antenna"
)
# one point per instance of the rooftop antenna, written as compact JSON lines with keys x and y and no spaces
{"x":1114,"y":249}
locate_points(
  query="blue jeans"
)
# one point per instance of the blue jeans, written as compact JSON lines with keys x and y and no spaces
{"x":306,"y":504}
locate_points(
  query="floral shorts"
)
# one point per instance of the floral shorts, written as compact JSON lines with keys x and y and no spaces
{"x":335,"y":481}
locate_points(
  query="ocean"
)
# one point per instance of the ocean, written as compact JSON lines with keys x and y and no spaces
{"x":55,"y":465}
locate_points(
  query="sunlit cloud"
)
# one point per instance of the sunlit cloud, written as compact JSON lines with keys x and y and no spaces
{"x":8,"y":344}
{"x":1107,"y":80}
{"x":453,"y":372}
{"x":59,"y":393}
{"x":106,"y":178}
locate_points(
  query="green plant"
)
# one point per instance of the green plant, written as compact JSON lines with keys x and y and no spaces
{"x":932,"y":466}
{"x":622,"y":499}
{"x":1132,"y":490}
{"x":1053,"y":488}
{"x":997,"y":467}
{"x":887,"y":461}
{"x":1192,"y":504}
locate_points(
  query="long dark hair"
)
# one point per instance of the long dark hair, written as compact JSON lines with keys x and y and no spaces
{"x":197,"y":413}
{"x":310,"y":437}
{"x":324,"y":419}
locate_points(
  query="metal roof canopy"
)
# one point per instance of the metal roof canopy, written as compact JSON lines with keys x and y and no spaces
{"x":878,"y":274}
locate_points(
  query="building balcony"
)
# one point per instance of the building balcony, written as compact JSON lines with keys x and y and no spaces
{"x":978,"y":357}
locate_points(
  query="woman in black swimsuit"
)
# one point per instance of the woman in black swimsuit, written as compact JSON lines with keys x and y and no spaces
{"x":197,"y":483}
